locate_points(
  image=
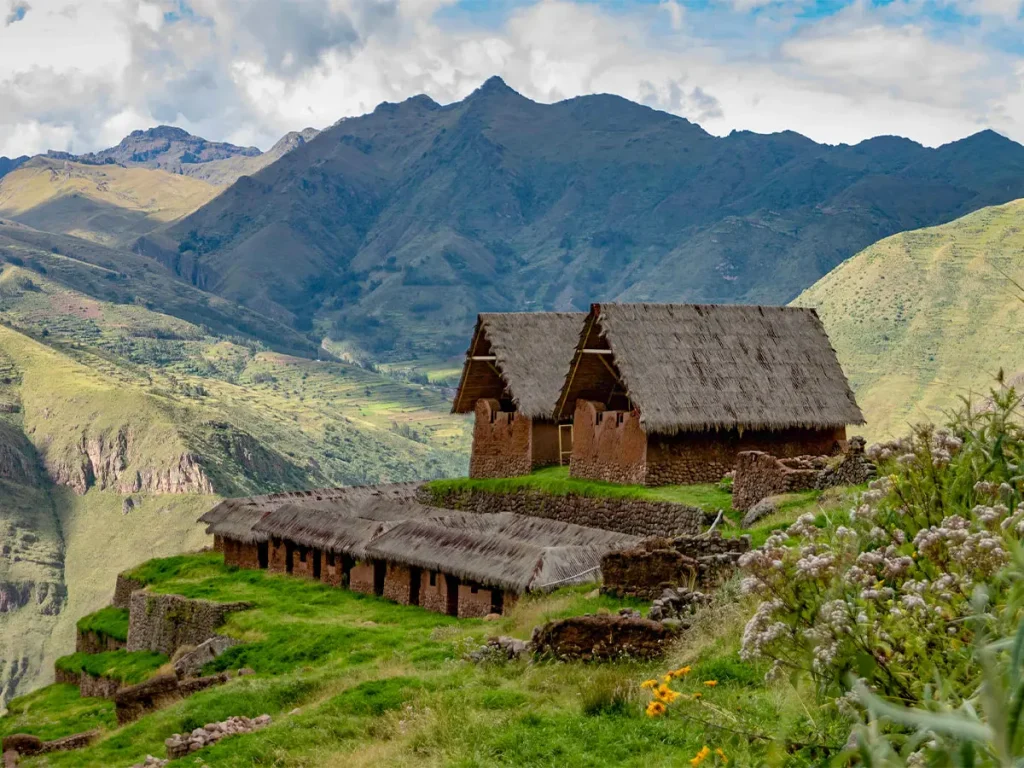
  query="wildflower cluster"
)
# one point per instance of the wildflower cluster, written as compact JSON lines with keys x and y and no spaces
{"x":662,"y":695}
{"x":884,"y":593}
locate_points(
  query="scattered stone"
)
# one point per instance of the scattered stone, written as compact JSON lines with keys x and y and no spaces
{"x":502,"y":648}
{"x":766,"y":506}
{"x":677,"y":603}
{"x":11,"y":758}
{"x":492,"y":617}
{"x":630,"y":613}
{"x":127,"y":505}
{"x":191,"y":663}
{"x":151,"y":762}
{"x":181,"y":744}
{"x":246,"y":671}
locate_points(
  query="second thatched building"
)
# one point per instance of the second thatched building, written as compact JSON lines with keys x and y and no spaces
{"x":664,"y":394}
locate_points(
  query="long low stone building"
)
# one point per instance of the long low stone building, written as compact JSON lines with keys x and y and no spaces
{"x":380,"y":540}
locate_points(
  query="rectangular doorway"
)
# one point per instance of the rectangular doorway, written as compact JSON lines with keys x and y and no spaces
{"x":414,"y":586}
{"x":452,"y":603}
{"x":289,"y":557}
{"x":316,"y":564}
{"x":380,"y":569}
{"x":263,"y":554}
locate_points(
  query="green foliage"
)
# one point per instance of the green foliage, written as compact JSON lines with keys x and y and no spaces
{"x":126,"y":667}
{"x":106,"y":622}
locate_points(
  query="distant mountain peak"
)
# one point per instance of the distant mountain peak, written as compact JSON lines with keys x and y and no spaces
{"x":171,"y":132}
{"x":494,"y":86}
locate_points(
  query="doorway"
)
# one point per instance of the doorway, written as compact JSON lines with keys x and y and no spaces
{"x":263,"y":554}
{"x":452,"y":607}
{"x":316,"y":564}
{"x":289,"y":557}
{"x":380,"y":569}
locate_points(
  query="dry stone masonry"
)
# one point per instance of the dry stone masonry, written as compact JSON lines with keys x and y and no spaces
{"x":636,"y":517}
{"x":164,"y":623}
{"x":658,"y":564}
{"x":182,"y":744}
{"x":601,"y":638}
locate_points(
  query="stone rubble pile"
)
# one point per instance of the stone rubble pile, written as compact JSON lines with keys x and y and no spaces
{"x":181,"y":744}
{"x":151,"y":762}
{"x":502,"y":648}
{"x":677,"y":603}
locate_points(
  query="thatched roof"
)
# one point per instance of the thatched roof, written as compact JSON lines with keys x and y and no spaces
{"x":531,"y":352}
{"x":694,"y":367}
{"x":236,"y":518}
{"x":502,"y":550}
{"x":322,"y":528}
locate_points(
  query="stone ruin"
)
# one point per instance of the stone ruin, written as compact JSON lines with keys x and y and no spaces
{"x":601,"y":638}
{"x":646,"y":571}
{"x":759,"y":475}
{"x":182,"y":744}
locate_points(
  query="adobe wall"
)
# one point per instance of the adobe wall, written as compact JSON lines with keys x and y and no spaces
{"x":636,"y":517}
{"x":240,"y":554}
{"x":705,"y":457}
{"x":473,"y":605}
{"x":544,"y":443}
{"x":123,"y":591}
{"x":397,"y":583}
{"x":698,"y":562}
{"x":218,"y":543}
{"x":501,"y":442}
{"x":302,"y":561}
{"x":361,"y":577}
{"x":608,"y":445}
{"x":434,"y":598}
{"x":164,"y":623}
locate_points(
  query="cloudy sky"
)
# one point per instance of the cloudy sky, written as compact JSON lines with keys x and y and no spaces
{"x":78,"y":75}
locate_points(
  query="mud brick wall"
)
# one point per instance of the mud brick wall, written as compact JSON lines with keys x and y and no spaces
{"x":302,"y":561}
{"x":361,"y":577}
{"x":241,"y":554}
{"x":332,"y":570}
{"x":700,"y":562}
{"x":608,"y":445}
{"x":501,"y":442}
{"x":164,"y":623}
{"x":123,"y":590}
{"x":277,"y":556}
{"x":601,"y":638}
{"x":397,"y":583}
{"x":474,"y":605}
{"x":636,"y":517}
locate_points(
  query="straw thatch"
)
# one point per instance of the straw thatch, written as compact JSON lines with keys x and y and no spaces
{"x":532,"y":351}
{"x":236,"y":518}
{"x":505,"y":550}
{"x":322,"y":528}
{"x":694,"y":367}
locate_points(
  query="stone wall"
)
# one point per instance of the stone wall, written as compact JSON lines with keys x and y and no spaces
{"x":697,"y":562}
{"x":705,"y":457}
{"x":608,"y":445}
{"x":94,"y":642}
{"x":397,"y":583}
{"x":123,"y":591}
{"x":601,"y":638}
{"x":241,"y":554}
{"x":134,"y":701}
{"x":434,"y":597}
{"x":501,"y":442}
{"x":760,"y":474}
{"x":164,"y":623}
{"x":633,"y":516}
{"x":97,"y":687}
{"x":474,"y":602}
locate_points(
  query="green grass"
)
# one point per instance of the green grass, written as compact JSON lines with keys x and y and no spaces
{"x":377,"y":683}
{"x":556,"y":481}
{"x":107,"y":622}
{"x":56,"y":711}
{"x":125,"y":667}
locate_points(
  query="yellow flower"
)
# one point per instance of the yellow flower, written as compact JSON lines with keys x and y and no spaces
{"x":667,"y":678}
{"x":721,"y":754}
{"x":649,"y":684}
{"x":655,"y":708}
{"x":681,"y":672}
{"x":710,"y":683}
{"x":698,"y":695}
{"x":701,"y":756}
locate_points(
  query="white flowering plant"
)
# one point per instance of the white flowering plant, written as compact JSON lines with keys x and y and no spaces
{"x":882,"y":595}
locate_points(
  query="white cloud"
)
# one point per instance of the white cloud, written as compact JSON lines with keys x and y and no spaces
{"x":79,"y":74}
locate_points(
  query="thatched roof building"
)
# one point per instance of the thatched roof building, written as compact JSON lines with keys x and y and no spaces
{"x":697,"y":367}
{"x":521,"y":357}
{"x":701,"y":379}
{"x":507,"y":551}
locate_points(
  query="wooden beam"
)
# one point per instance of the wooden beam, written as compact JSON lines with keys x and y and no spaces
{"x":483,"y":358}
{"x":588,"y":326}
{"x":597,"y":351}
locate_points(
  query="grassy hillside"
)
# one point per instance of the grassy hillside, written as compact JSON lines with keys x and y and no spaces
{"x":923,"y":317}
{"x":107,"y":204}
{"x":352,"y":679}
{"x":129,"y":423}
